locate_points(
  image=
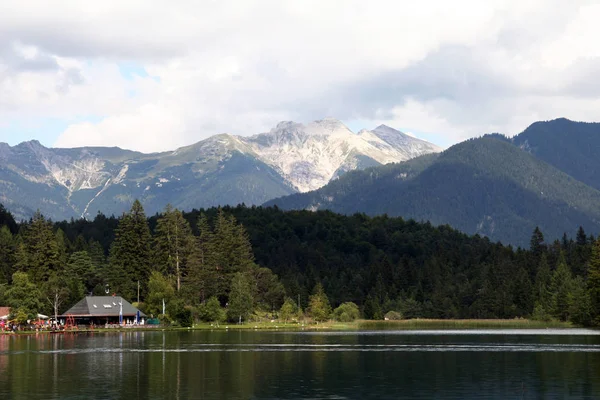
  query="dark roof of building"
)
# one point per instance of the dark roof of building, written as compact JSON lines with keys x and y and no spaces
{"x":102,"y":306}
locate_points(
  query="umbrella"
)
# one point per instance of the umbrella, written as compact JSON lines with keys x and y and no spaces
{"x":42,"y":316}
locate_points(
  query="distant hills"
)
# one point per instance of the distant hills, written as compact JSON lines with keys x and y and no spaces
{"x":223,"y":169}
{"x":494,"y":186}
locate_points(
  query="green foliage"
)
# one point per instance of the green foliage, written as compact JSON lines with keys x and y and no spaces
{"x":560,"y":287}
{"x":393,"y":316}
{"x":568,"y":145}
{"x":381,"y":264}
{"x":173,"y":245}
{"x":23,"y":297}
{"x":211,"y":311}
{"x":540,"y":313}
{"x":269,"y":292}
{"x":180,"y":313}
{"x":241,"y":302}
{"x":8,"y":252}
{"x":486,"y":186}
{"x":219,"y":255}
{"x":542,"y":293}
{"x":580,"y":303}
{"x":318,"y":305}
{"x":288,"y":310}
{"x":594,"y":281}
{"x":39,"y":253}
{"x":81,"y":267}
{"x":130,"y":254}
{"x":56,"y":292}
{"x":159,"y":289}
{"x":373,"y":308}
{"x":346,"y":312}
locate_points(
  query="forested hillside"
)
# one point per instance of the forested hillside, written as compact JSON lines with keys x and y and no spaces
{"x":486,"y":186}
{"x":225,"y":255}
{"x":570,"y":146}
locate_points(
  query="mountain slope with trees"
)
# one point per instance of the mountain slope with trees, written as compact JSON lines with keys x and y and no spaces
{"x":486,"y":186}
{"x":570,"y":146}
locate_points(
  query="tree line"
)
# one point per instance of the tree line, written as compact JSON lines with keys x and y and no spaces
{"x":232,"y":263}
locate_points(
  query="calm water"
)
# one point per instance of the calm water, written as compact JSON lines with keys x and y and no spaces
{"x":517,"y":364}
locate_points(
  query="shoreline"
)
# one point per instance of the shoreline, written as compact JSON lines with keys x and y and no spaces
{"x":358,"y":325}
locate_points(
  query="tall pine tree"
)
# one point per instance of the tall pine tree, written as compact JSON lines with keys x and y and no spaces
{"x":201,"y":281}
{"x":594,"y":282}
{"x":39,"y":254}
{"x":173,"y":245}
{"x":560,"y":289}
{"x":130,"y":254}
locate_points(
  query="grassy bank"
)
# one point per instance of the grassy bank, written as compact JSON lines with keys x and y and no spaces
{"x":409,"y":324}
{"x":462,"y":324}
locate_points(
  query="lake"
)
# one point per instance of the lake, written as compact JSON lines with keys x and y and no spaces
{"x":494,"y":364}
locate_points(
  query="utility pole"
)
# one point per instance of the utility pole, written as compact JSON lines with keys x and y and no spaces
{"x":138,"y":291}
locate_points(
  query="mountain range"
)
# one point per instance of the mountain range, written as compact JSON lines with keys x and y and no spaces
{"x":499,"y":187}
{"x":223,"y":169}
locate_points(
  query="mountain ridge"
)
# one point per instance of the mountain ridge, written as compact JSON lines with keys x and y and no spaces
{"x":489,"y":185}
{"x":222,"y":169}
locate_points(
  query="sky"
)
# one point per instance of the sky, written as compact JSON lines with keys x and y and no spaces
{"x":156,"y":75}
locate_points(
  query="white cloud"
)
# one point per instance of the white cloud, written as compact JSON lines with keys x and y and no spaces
{"x":452,"y":69}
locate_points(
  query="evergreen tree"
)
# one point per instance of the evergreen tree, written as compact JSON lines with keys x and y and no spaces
{"x":8,"y":253}
{"x":62,"y":245}
{"x":542,"y":295}
{"x":560,"y":289}
{"x":373,"y":308}
{"x":580,"y":303}
{"x":268,"y":291}
{"x":232,"y":251}
{"x":318,"y":304}
{"x":201,"y":280}
{"x":6,"y":219}
{"x":130,"y":254}
{"x":241,"y":303}
{"x":594,"y":281}
{"x":581,"y":238}
{"x":536,"y":244}
{"x":173,"y":244}
{"x":39,"y":255}
{"x":521,"y":295}
{"x":80,"y":267}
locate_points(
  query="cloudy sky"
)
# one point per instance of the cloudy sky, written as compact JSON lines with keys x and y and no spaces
{"x":155,"y":75}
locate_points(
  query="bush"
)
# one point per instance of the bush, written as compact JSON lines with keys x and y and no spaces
{"x":211,"y":311}
{"x":183,"y":317}
{"x":540,"y":314}
{"x":346,"y":312}
{"x":164,"y":320}
{"x":393,"y":316}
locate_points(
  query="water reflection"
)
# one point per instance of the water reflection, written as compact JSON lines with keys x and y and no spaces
{"x":513,"y":364}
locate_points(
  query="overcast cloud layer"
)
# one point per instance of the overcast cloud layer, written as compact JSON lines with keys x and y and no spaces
{"x":155,"y":75}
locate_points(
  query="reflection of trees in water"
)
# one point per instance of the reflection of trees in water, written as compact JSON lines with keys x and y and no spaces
{"x":27,"y":368}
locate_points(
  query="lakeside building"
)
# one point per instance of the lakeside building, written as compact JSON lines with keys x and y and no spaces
{"x":101,"y":310}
